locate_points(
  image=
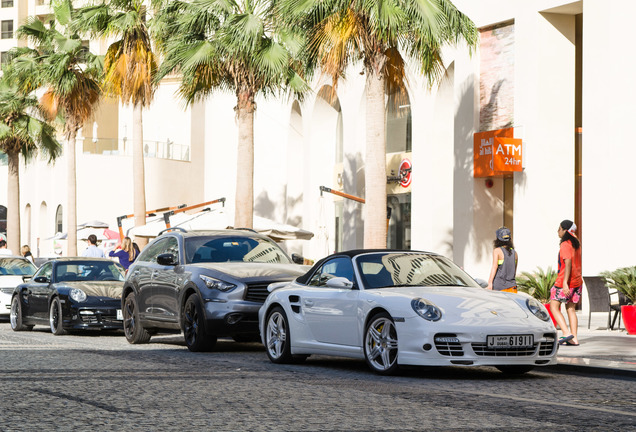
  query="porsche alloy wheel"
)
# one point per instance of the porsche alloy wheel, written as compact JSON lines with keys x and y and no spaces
{"x":55,"y":317}
{"x":134,"y":331}
{"x":381,"y":344}
{"x":15,"y":316}
{"x":276,"y":337}
{"x":194,"y":326}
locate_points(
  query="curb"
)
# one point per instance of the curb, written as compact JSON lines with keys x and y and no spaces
{"x":595,"y":366}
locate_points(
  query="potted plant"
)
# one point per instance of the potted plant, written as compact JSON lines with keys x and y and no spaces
{"x":624,"y":281}
{"x":538,"y":285}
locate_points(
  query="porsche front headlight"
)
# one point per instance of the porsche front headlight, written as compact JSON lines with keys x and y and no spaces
{"x":426,"y":309}
{"x":211,"y":282}
{"x":77,"y":295}
{"x":537,"y":309}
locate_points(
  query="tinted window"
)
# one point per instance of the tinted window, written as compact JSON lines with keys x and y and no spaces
{"x":16,"y":267}
{"x":150,"y":253}
{"x":337,"y":267}
{"x":233,"y":249}
{"x":45,"y":271}
{"x":385,"y":270}
{"x":82,"y":271}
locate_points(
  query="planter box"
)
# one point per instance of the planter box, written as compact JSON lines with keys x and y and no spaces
{"x":629,"y":318}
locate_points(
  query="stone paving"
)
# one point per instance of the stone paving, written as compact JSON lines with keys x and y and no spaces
{"x":100,"y":382}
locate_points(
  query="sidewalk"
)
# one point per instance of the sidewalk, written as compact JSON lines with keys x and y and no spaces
{"x":600,"y":350}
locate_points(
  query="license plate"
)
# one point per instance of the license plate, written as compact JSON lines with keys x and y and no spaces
{"x":120,"y":316}
{"x":510,"y":341}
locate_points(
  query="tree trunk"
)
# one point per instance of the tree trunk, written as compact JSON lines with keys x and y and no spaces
{"x":13,"y":203}
{"x":244,"y":201}
{"x":375,"y":224}
{"x":139,"y":193}
{"x":71,"y":185}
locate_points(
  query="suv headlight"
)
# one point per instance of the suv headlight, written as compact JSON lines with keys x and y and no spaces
{"x":537,"y":309}
{"x":77,"y":295}
{"x":426,"y":309}
{"x":218,"y":284}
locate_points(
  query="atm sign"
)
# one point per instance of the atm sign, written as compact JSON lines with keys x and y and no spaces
{"x":506,"y":154}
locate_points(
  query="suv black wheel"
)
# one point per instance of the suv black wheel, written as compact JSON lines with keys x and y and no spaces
{"x":134,"y":331}
{"x":193,"y":325}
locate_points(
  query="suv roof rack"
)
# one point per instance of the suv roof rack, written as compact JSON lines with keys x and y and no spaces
{"x":172,"y":229}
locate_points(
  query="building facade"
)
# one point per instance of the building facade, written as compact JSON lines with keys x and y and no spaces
{"x":554,"y":73}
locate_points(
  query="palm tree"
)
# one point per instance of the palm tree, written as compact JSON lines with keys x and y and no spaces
{"x":378,"y":33}
{"x":230,"y":46}
{"x":21,"y":133}
{"x":70,"y":75}
{"x":129,"y":67}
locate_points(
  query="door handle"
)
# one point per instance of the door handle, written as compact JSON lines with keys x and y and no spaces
{"x":308,"y":303}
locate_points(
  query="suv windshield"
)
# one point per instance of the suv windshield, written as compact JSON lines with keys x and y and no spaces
{"x":233,"y":249}
{"x":16,"y":267}
{"x":386,"y":270}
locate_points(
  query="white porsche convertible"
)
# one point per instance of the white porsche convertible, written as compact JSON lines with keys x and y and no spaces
{"x":403,"y":308}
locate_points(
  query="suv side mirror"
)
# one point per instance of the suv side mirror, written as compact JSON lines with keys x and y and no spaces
{"x":167,"y":259}
{"x":41,"y":279}
{"x":297,"y":259}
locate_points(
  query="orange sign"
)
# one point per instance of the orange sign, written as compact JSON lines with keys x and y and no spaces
{"x":496,"y":152}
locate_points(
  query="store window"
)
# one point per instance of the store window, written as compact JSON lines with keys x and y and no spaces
{"x":398,"y":123}
{"x":7,"y":29}
{"x":58,"y":220}
{"x":3,"y":221}
{"x":399,"y":235}
{"x":7,"y":3}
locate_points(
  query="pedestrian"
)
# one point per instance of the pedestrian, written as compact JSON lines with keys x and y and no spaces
{"x":125,"y":252}
{"x":567,"y":288}
{"x":92,"y":251}
{"x":3,"y":248}
{"x":504,"y":263}
{"x":26,"y":252}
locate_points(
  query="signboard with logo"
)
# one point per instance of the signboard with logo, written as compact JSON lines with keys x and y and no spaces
{"x":496,"y":153}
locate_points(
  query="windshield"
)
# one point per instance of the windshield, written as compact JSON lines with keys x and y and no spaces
{"x":399,"y":269}
{"x":16,"y":267}
{"x":84,"y":271}
{"x":233,"y":249}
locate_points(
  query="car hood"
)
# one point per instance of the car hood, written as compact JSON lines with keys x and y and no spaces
{"x":246,"y":270}
{"x":99,"y":289}
{"x":10,"y":281}
{"x":463,"y":303}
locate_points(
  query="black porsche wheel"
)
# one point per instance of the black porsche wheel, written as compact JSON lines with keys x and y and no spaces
{"x":193,"y":325}
{"x":55,"y":317}
{"x":15,"y":316}
{"x":381,"y":344}
{"x":514,"y":369}
{"x":134,"y":331}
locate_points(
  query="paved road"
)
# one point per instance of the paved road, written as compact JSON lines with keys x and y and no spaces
{"x":100,"y":382}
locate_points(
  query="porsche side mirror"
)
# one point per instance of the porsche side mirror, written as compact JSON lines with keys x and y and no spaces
{"x":26,"y":278}
{"x":297,"y":259}
{"x":339,"y":282}
{"x":167,"y":259}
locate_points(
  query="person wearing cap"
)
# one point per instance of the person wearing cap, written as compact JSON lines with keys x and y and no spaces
{"x":504,"y":263}
{"x":567,"y":288}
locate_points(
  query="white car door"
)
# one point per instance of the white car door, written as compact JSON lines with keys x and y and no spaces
{"x":332,"y":313}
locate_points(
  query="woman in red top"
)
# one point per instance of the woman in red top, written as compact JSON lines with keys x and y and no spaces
{"x":567,"y":288}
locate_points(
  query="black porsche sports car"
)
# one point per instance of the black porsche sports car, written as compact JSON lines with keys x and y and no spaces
{"x":70,"y":294}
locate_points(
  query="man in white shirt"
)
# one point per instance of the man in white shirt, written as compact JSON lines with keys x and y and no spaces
{"x":3,"y":248}
{"x":92,"y":251}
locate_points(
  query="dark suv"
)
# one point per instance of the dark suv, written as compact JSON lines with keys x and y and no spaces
{"x":205,"y":283}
